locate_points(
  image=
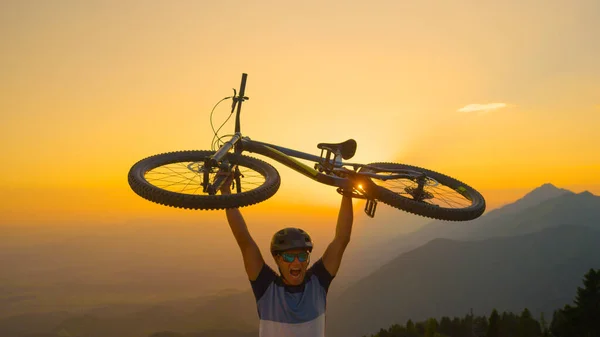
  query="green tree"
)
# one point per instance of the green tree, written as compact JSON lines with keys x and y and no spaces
{"x":466,"y":326}
{"x":563,"y":322}
{"x":580,"y":320}
{"x":509,"y":324}
{"x":420,"y":327}
{"x":480,"y":324}
{"x":445,"y":326}
{"x":587,"y":303}
{"x":431,"y":327}
{"x":383,"y":333}
{"x":493,"y":329}
{"x":411,"y":328}
{"x":397,"y":330}
{"x":456,"y":327}
{"x":528,"y":327}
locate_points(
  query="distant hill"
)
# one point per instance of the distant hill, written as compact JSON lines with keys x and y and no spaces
{"x":540,"y":271}
{"x":543,"y":207}
{"x":535,"y":197}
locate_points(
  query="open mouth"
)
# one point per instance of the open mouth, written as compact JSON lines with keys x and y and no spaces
{"x":295,"y":273}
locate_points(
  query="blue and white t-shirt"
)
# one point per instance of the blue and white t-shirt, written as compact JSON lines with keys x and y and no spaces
{"x":297,"y":311}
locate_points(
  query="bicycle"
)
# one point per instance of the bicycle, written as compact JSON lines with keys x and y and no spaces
{"x":193,"y":179}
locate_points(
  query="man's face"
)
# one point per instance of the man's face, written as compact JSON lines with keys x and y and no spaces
{"x":292,"y":272}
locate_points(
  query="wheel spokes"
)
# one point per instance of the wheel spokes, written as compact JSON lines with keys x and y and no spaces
{"x":432,"y":192}
{"x":187,"y":177}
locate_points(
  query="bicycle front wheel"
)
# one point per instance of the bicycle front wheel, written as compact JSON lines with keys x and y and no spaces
{"x":436,"y":195}
{"x":175,"y":179}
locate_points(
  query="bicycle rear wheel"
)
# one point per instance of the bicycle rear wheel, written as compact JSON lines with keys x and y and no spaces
{"x":175,"y":179}
{"x":442,"y":197}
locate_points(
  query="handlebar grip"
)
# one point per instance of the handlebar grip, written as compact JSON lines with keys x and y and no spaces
{"x":243,"y":84}
{"x":239,"y":106}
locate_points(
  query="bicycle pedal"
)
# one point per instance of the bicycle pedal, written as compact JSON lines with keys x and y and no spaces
{"x":370,"y":207}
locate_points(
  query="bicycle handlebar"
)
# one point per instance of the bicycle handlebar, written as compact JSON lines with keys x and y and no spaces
{"x":240,"y":99}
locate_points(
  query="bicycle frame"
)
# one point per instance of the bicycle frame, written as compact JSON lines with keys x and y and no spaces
{"x":342,"y":178}
{"x":280,"y":154}
{"x":287,"y":157}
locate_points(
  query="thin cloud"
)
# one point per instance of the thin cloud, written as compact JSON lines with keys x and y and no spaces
{"x":482,"y":108}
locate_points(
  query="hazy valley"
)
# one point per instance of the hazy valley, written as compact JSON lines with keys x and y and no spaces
{"x":135,"y":281}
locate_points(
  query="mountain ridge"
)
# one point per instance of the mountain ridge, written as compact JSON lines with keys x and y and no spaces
{"x":545,"y":201}
{"x":447,"y":277}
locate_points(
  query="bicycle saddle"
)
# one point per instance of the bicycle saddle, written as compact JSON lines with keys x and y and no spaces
{"x":346,"y":149}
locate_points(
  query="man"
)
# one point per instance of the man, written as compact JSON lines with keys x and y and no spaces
{"x":292,"y":303}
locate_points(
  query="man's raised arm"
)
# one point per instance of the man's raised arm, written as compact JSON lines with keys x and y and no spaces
{"x":253,"y":260}
{"x":332,"y":258}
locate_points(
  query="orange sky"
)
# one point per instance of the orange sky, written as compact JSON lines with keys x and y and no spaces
{"x":88,"y":88}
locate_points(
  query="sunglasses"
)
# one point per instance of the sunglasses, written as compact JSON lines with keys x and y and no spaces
{"x":289,"y":257}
